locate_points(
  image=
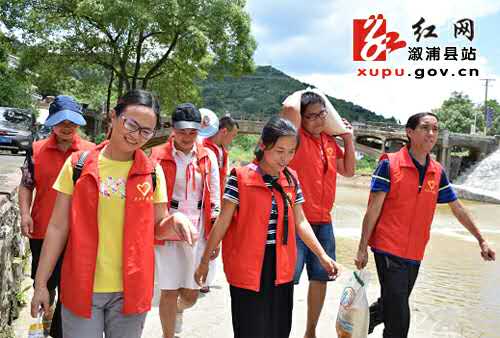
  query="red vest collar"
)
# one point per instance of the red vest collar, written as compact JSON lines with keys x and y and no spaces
{"x":305,"y":133}
{"x":52,"y":142}
{"x":165,"y":152}
{"x":142,"y":165}
{"x":256,"y":173}
{"x":406,"y":161}
{"x":209,"y":142}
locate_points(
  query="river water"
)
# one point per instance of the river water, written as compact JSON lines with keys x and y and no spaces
{"x":484,"y":178}
{"x":456,"y":293}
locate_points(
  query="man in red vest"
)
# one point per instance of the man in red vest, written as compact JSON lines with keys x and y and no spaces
{"x":40,"y":170}
{"x":228,"y":129}
{"x":317,"y":162}
{"x":218,"y":135}
{"x":405,"y":189}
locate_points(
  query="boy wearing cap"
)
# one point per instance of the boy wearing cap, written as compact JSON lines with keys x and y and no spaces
{"x":40,"y":170}
{"x":217,"y":135}
{"x":193,"y":188}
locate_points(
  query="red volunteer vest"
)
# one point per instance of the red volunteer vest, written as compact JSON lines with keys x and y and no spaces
{"x":222,"y":170}
{"x":244,"y":243}
{"x":317,"y":176}
{"x":403,"y":227}
{"x":77,"y":276}
{"x":48,"y":161}
{"x":163,"y":155}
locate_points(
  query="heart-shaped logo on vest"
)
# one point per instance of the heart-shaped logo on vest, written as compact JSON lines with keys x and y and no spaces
{"x":144,"y":188}
{"x":431,"y":186}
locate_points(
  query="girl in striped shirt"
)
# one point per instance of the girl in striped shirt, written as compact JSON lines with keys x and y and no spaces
{"x":261,"y":211}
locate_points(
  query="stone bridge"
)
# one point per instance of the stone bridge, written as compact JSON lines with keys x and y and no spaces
{"x":375,"y":138}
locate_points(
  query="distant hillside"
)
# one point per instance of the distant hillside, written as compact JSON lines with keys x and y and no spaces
{"x":263,"y":92}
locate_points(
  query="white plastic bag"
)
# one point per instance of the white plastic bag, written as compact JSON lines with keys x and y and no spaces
{"x":353,"y":317}
{"x":36,"y":329}
{"x":291,"y":111}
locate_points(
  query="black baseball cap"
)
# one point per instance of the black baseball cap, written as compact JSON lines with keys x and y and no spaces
{"x":186,"y":116}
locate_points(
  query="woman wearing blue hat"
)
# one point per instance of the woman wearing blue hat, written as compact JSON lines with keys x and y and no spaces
{"x":40,"y":170}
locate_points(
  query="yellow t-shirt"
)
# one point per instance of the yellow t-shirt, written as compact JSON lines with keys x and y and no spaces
{"x":110,"y":216}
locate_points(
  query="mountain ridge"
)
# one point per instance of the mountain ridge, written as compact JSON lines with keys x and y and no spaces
{"x":260,"y":95}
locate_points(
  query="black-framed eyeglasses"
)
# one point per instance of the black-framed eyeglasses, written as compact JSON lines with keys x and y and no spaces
{"x":320,"y":115}
{"x":132,"y":126}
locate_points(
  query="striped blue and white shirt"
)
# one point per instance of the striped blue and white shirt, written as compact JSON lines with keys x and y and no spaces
{"x":231,"y":193}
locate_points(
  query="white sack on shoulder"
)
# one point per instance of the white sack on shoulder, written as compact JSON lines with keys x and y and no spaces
{"x":291,"y":111}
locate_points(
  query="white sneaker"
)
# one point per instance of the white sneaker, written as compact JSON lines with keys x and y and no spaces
{"x":178,"y":322}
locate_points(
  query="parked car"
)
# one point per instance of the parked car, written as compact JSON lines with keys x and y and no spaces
{"x":42,"y":132}
{"x":16,"y":129}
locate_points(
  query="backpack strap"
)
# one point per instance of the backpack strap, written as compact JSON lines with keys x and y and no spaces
{"x":77,"y":169}
{"x":28,"y":162}
{"x":153,"y":178}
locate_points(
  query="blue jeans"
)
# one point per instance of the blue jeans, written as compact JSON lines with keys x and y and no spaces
{"x":325,"y":236}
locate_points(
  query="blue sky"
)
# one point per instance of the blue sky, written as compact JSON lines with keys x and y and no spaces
{"x":312,"y":41}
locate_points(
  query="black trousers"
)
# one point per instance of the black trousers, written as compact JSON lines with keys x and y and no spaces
{"x":52,"y":284}
{"x":397,"y":278}
{"x":267,"y":313}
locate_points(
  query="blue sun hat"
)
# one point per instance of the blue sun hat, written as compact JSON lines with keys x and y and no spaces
{"x":65,"y":108}
{"x":209,"y":123}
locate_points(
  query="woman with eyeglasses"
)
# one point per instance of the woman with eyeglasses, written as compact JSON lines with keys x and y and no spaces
{"x":192,"y":174}
{"x":406,"y":187}
{"x":111,"y":204}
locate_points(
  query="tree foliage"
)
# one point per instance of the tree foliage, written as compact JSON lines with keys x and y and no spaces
{"x":161,"y":44}
{"x":495,"y":106}
{"x":457,"y":114}
{"x":15,"y":89}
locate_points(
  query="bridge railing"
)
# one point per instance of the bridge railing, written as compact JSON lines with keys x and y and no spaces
{"x":378,"y":125}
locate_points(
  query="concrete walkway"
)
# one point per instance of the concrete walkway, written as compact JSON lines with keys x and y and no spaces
{"x":211,"y":316}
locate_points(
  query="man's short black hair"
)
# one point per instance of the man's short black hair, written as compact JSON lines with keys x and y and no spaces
{"x":228,"y":122}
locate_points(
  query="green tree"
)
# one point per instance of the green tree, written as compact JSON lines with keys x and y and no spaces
{"x":495,"y":106}
{"x":457,"y":114}
{"x":140,"y":43}
{"x":15,"y":89}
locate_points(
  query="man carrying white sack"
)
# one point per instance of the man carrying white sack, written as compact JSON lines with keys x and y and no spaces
{"x":317,"y":162}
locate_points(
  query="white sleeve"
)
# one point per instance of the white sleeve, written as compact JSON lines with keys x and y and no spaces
{"x":214,"y":183}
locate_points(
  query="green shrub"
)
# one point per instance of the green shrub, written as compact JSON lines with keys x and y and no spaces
{"x":366,"y":165}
